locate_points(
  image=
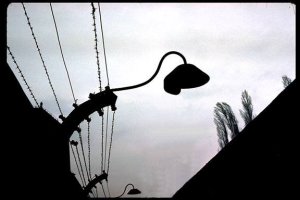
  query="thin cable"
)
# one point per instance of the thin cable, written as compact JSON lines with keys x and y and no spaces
{"x":39,"y":51}
{"x":105,"y":149}
{"x":80,"y":165}
{"x":62,"y":55}
{"x":103,"y":190}
{"x":93,"y":193}
{"x":77,"y":166}
{"x":96,"y":191}
{"x":103,"y":44}
{"x":108,"y":188}
{"x":96,"y":44}
{"x":111,"y":139}
{"x":81,"y":144}
{"x":102,"y":140}
{"x":89,"y":150}
{"x":23,"y":77}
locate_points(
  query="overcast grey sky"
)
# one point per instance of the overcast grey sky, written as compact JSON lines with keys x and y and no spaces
{"x":160,"y":140}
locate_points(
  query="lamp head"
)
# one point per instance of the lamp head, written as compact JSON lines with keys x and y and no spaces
{"x":183,"y":77}
{"x":134,"y":191}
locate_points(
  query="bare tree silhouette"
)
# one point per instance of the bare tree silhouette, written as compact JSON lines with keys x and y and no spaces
{"x":286,"y":81}
{"x":247,"y":111}
{"x":221,"y":128}
{"x":224,"y":117}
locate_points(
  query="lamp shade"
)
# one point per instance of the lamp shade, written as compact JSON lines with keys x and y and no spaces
{"x":183,"y":77}
{"x":134,"y":191}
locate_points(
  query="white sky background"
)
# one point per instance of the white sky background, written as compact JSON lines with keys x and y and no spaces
{"x":160,"y":140}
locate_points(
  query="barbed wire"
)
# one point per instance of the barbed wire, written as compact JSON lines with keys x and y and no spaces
{"x":22,"y":76}
{"x":39,"y":51}
{"x":96,"y":44}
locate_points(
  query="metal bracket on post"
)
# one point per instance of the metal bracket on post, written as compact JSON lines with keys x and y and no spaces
{"x":98,"y":179}
{"x":81,"y":112}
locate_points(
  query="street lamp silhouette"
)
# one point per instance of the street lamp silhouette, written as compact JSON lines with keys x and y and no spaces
{"x":133,"y":191}
{"x":182,"y":77}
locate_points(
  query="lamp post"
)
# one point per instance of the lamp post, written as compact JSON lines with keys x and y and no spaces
{"x":133,"y":191}
{"x":182,"y":77}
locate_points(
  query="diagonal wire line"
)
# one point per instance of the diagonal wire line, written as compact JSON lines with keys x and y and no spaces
{"x":102,"y":140}
{"x":108,"y":188}
{"x":80,"y":165}
{"x":103,"y":190}
{"x":89,"y":150}
{"x":83,"y":155}
{"x":105,"y":148}
{"x":96,"y":45}
{"x":111,"y":139}
{"x":103,"y":44}
{"x":62,"y":55}
{"x":39,"y":51}
{"x":77,"y":166}
{"x":96,"y":191}
{"x":22,"y":75}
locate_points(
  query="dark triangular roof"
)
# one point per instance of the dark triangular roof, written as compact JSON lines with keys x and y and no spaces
{"x":256,"y":163}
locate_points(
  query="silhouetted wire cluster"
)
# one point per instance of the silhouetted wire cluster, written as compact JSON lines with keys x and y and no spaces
{"x":39,"y":51}
{"x":80,"y":175}
{"x":103,"y":146}
{"x":81,"y":144}
{"x":80,"y":165}
{"x":23,"y":77}
{"x":105,"y":161}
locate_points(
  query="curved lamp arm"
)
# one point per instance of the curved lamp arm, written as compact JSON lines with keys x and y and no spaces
{"x":125,"y":189}
{"x":154,"y":75}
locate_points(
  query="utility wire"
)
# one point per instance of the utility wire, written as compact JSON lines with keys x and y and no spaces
{"x":102,"y":140}
{"x":39,"y":51}
{"x":83,"y":155}
{"x":96,"y":45}
{"x":22,"y":75}
{"x":108,"y":188}
{"x":103,"y":190}
{"x":96,"y":191}
{"x":80,"y":165}
{"x":105,"y":148}
{"x":62,"y":55}
{"x":103,"y":44}
{"x":111,"y":139}
{"x":77,"y":166}
{"x":109,"y":152}
{"x":89,"y":150}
